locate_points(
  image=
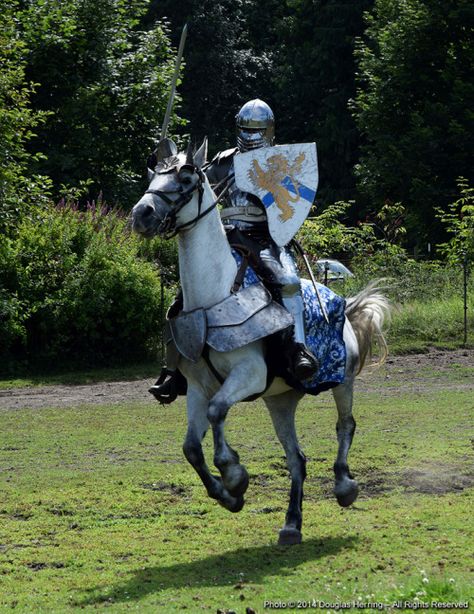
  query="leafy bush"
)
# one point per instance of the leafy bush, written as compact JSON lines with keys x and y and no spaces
{"x":459,"y":222}
{"x":428,"y":295}
{"x":73,"y":289}
{"x":12,"y":330}
{"x":372,"y":250}
{"x":326,"y":235}
{"x":427,"y":299}
{"x":164,"y":254}
{"x":407,"y":279}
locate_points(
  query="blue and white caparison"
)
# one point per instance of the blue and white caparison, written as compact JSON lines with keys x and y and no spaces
{"x":324,"y":340}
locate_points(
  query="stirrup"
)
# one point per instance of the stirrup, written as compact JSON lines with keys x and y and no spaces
{"x":165,"y":389}
{"x":304,"y":364}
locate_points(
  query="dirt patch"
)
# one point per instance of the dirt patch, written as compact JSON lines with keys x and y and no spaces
{"x":436,"y":480}
{"x":435,"y":370}
{"x":173,"y":489}
{"x":39,"y":397}
{"x":38,"y":566}
{"x":421,"y":373}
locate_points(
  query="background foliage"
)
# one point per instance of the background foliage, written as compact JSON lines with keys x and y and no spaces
{"x":104,"y":82}
{"x":415,"y":80}
{"x":18,"y":187}
{"x":74,"y":287}
{"x":383,"y":86}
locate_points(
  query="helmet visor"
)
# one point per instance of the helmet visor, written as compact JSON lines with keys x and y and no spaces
{"x":253,"y":138}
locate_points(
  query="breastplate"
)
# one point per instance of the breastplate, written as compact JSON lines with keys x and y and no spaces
{"x":241,"y":209}
{"x":235,"y":197}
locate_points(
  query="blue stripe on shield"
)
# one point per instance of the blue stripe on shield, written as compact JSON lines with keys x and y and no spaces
{"x":305,"y":192}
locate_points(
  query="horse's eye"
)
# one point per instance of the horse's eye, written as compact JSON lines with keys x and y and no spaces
{"x":186,"y":180}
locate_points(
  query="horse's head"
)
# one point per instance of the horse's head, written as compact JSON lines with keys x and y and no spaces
{"x":174,"y":197}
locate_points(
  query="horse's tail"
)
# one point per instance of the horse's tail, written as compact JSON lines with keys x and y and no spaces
{"x":367,"y":313}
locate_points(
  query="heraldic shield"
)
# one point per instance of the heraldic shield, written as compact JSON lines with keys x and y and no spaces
{"x":285,"y":179}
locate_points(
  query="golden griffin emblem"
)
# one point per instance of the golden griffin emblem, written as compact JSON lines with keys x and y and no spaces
{"x":277,"y":179}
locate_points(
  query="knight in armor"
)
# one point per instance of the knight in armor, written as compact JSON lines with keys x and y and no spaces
{"x":244,"y":218}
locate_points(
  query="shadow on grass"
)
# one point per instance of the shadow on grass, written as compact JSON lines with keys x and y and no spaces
{"x":251,"y":564}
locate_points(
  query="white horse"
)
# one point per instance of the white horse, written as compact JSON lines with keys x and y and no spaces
{"x":180,"y":201}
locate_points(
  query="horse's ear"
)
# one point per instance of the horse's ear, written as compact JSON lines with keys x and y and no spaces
{"x":200,"y":156}
{"x":189,"y":155}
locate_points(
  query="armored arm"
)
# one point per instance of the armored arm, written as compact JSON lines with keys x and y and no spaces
{"x":220,"y":165}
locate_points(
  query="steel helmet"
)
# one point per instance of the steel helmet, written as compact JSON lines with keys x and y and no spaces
{"x":255,"y":125}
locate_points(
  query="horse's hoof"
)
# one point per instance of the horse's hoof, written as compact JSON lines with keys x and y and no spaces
{"x":234,"y":504}
{"x":239,"y":504}
{"x":289,"y":537}
{"x":240,"y":479}
{"x":346,"y":493}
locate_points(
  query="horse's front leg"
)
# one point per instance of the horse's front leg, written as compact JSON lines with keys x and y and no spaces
{"x":198,"y":424}
{"x":245,"y":379}
{"x":346,"y":488}
{"x":282,"y":411}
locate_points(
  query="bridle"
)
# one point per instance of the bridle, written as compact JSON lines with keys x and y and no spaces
{"x":168,"y":227}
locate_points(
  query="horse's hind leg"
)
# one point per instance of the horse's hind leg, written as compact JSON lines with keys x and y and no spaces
{"x":282,"y":411}
{"x":198,"y":425}
{"x":346,"y":488}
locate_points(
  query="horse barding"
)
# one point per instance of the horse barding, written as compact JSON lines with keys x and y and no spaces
{"x":180,"y":201}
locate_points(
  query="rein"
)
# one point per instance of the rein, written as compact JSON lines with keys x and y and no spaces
{"x":168,"y":227}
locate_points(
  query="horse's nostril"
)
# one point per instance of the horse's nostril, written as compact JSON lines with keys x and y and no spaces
{"x":147,"y":210}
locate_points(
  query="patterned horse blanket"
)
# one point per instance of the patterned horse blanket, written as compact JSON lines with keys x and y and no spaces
{"x":324,"y":340}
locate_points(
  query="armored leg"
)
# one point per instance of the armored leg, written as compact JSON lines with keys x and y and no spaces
{"x":303,"y":363}
{"x":294,"y":304}
{"x":171,"y":381}
{"x":283,"y":275}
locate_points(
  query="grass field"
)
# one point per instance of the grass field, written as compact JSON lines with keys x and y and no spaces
{"x":99,"y":509}
{"x":421,"y":324}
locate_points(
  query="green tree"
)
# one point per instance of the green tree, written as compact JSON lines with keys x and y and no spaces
{"x":105,"y":83}
{"x":18,"y":190}
{"x":414,"y":106}
{"x":313,"y":80}
{"x":222,"y":68}
{"x":297,"y":55}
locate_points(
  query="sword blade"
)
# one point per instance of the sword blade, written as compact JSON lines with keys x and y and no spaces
{"x":310,"y":271}
{"x":179,"y":57}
